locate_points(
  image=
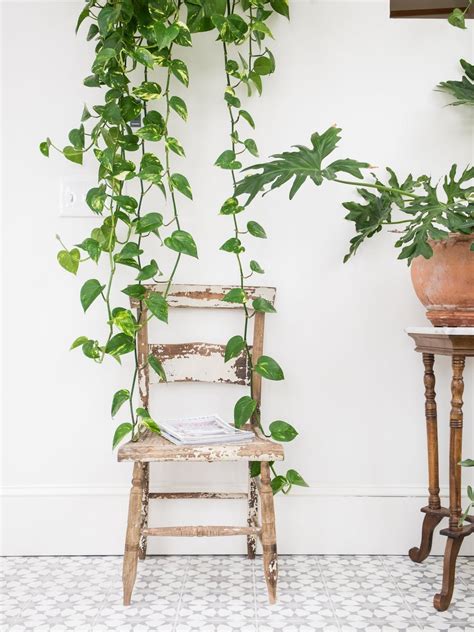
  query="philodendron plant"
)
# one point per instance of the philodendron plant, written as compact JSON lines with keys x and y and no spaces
{"x":420,"y":209}
{"x":137,"y":64}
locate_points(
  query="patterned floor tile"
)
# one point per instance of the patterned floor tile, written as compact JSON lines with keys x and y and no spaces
{"x":228,"y":593}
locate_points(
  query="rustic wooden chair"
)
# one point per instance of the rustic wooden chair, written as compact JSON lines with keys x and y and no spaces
{"x":152,"y":447}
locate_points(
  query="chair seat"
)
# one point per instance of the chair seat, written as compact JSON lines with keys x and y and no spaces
{"x":153,"y":447}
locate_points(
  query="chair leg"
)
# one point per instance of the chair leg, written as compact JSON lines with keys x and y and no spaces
{"x":130,"y":556}
{"x":270,"y":556}
{"x":252,"y":516}
{"x":144,"y":511}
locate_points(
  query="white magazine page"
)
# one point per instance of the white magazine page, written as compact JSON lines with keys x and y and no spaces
{"x":203,"y":427}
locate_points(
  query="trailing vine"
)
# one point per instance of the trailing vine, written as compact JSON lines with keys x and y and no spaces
{"x":139,"y":37}
{"x":130,"y":38}
{"x":248,"y":28}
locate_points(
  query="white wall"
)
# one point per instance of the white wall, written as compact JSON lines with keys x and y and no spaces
{"x":353,"y":383}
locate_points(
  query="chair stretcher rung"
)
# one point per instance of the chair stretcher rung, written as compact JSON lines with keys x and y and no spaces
{"x":200,"y":531}
{"x":201,"y":495}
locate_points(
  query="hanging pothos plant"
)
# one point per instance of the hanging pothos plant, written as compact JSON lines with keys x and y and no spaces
{"x":142,"y":38}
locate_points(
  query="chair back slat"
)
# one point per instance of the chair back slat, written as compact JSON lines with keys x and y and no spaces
{"x":199,"y":362}
{"x":209,"y":296}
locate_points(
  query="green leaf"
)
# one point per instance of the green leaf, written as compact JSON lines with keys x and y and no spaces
{"x":255,"y":267}
{"x":135,"y":291}
{"x":255,"y":468}
{"x":268,"y":367}
{"x":91,"y":349}
{"x":233,"y":245}
{"x":126,"y":202}
{"x":120,"y":344}
{"x":456,"y":18}
{"x":246,"y":116}
{"x":251,"y":146}
{"x":69,"y":260}
{"x":125,"y":321}
{"x":120,"y":433}
{"x":158,"y":306}
{"x":183,"y":242}
{"x":227,"y":160}
{"x":44,"y":147}
{"x":281,"y":7}
{"x":303,"y":163}
{"x":157,"y":367}
{"x":149,"y":222}
{"x":184,"y":35}
{"x":278,"y":484}
{"x":92,"y":247}
{"x":243,"y":410}
{"x":73,"y":154}
{"x":295,"y":478}
{"x":231,"y":207}
{"x":164,"y":35}
{"x":174,"y":145}
{"x":262,"y":305}
{"x":151,"y":425}
{"x":107,"y":18}
{"x":112,"y":113}
{"x":181,"y":183}
{"x":129,"y":251}
{"x":180,"y":71}
{"x":119,"y":398}
{"x":234,"y":348}
{"x":264,"y":66}
{"x":95,"y":198}
{"x":151,"y":168}
{"x":231,"y":99}
{"x":85,"y":114}
{"x":82,"y":16}
{"x":179,"y":106}
{"x":143,"y":56}
{"x":261,"y":27}
{"x":89,"y":292}
{"x":147,"y":91}
{"x":235,"y":295}
{"x":282,"y":431}
{"x":76,"y":137}
{"x":78,"y":342}
{"x":256,"y":230}
{"x":148,"y":271}
{"x":150,"y":132}
{"x":92,"y":32}
{"x":92,"y":81}
{"x":468,"y":463}
{"x":130,"y":108}
{"x":103,"y":57}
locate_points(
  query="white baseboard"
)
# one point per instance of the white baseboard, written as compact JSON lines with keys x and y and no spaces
{"x":91,"y":521}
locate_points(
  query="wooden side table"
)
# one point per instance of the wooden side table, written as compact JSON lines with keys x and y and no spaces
{"x":458,"y":343}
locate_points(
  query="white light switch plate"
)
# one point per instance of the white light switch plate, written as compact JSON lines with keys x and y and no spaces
{"x":73,"y":193}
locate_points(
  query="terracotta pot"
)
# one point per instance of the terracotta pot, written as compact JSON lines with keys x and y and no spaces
{"x":445,"y":283}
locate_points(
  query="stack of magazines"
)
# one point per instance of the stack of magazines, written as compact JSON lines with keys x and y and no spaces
{"x":203,"y":430}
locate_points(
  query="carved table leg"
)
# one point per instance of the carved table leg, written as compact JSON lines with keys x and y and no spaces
{"x":130,"y":556}
{"x":144,"y":511}
{"x":270,"y":557}
{"x":252,"y":516}
{"x":443,"y":599}
{"x":431,"y":519}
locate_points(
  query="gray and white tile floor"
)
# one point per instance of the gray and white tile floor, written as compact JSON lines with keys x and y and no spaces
{"x":227,"y":593}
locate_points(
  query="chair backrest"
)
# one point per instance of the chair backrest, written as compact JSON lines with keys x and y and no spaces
{"x":201,"y":361}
